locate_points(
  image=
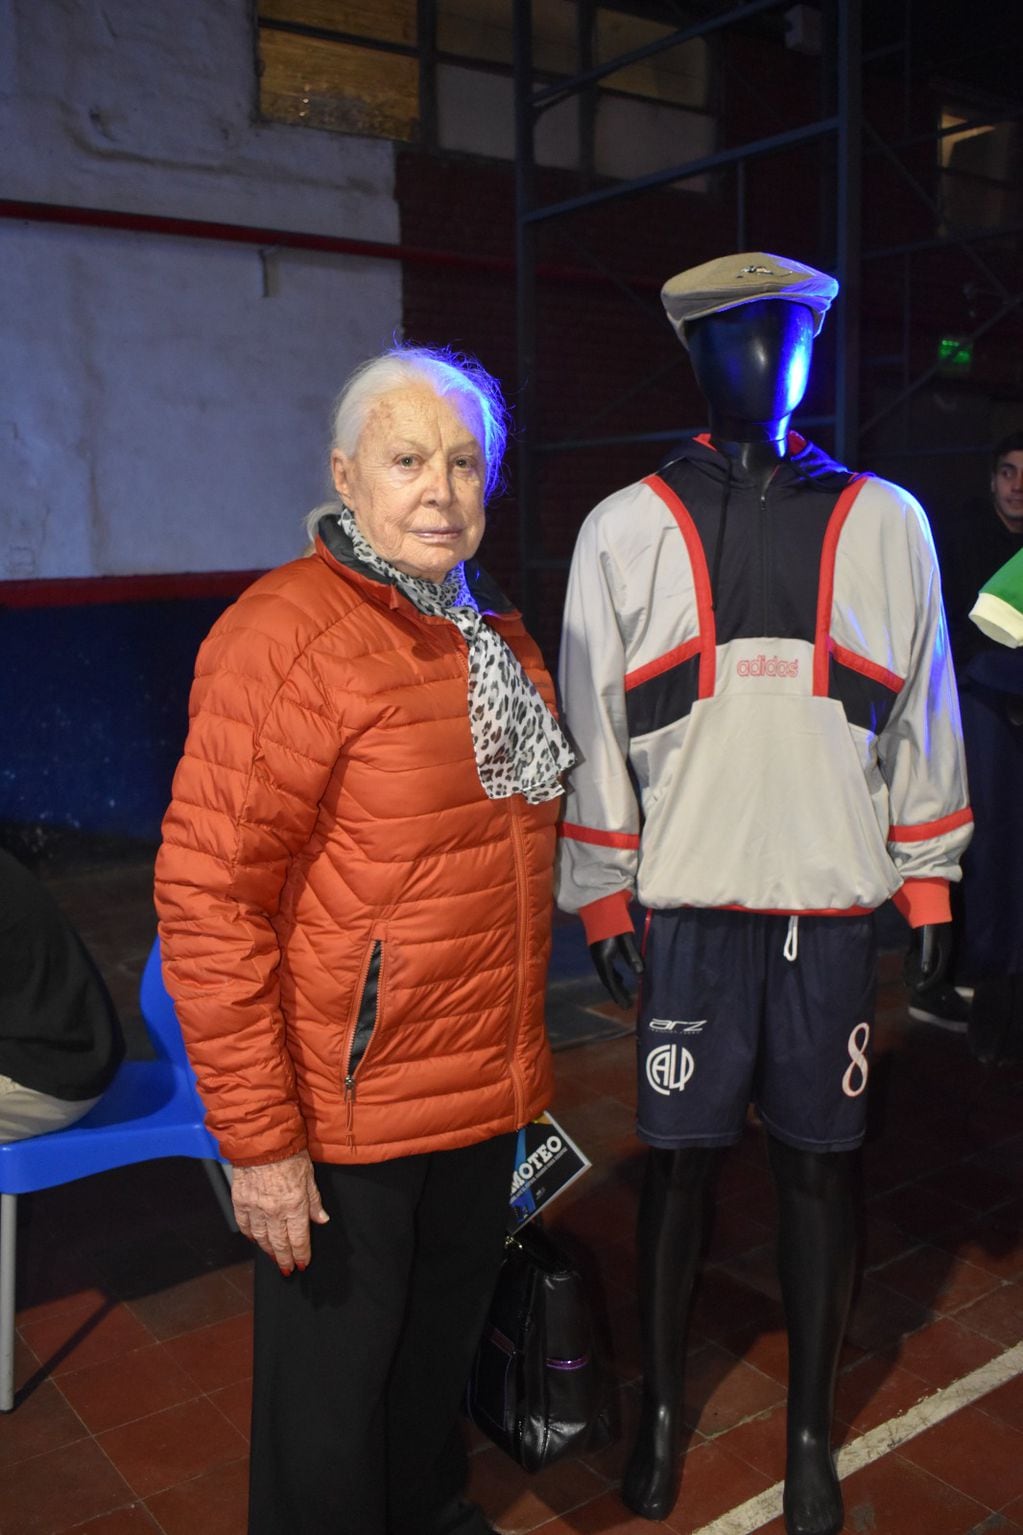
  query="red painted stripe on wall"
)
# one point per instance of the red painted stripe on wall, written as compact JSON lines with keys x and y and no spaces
{"x":297,"y":239}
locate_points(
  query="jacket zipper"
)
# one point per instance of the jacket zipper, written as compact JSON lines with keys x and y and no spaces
{"x":520,"y":899}
{"x":765,"y":555}
{"x":350,"y":1112}
{"x":372,"y":963}
{"x":764,"y":578}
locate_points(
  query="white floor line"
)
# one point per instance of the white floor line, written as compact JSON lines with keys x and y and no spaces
{"x":766,"y":1506}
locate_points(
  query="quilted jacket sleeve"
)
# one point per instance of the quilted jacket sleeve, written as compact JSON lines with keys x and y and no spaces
{"x":260,"y":749}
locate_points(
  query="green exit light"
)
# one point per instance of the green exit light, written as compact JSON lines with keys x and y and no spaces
{"x":954,"y":355}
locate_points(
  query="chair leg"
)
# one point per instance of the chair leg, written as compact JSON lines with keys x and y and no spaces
{"x":8,"y":1242}
{"x":219,"y":1174}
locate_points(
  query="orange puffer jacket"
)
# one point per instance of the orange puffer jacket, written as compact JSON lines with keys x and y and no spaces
{"x":355,"y":936}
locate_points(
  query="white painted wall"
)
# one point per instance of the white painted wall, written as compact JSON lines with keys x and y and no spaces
{"x":164,"y":401}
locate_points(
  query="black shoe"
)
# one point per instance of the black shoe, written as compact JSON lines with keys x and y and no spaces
{"x":941,"y":1005}
{"x":468,"y":1519}
{"x":459,"y":1517}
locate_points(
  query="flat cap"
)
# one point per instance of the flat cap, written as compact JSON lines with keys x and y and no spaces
{"x":729,"y":281}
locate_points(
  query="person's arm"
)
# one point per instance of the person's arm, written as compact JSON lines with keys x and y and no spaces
{"x":599,"y":843}
{"x":260,"y":750}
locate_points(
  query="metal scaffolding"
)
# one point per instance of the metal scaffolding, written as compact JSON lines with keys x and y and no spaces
{"x":857,"y":147}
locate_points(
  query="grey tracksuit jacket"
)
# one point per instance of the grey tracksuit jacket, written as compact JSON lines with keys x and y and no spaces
{"x":761,"y":697}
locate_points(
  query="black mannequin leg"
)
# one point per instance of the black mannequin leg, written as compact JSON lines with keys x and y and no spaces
{"x":816,"y":1262}
{"x":670,"y":1239}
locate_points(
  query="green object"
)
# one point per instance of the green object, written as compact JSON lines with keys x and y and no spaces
{"x":998,"y":610}
{"x":954,"y":355}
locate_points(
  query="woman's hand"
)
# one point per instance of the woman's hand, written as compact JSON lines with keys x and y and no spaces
{"x":273,"y":1205}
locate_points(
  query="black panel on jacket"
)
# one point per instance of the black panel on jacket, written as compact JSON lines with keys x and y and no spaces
{"x":769,"y":558}
{"x":866,"y":703}
{"x":663,"y":699}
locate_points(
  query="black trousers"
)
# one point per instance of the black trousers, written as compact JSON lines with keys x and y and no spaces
{"x":361,"y":1361}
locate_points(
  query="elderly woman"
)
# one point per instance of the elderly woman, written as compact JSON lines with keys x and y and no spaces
{"x":354,"y":893}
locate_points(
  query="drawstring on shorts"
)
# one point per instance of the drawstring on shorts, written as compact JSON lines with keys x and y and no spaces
{"x":791,"y":948}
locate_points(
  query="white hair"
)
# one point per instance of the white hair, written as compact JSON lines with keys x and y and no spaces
{"x":444,"y":371}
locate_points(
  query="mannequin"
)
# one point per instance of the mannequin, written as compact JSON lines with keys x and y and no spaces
{"x":752,"y":364}
{"x":751,"y":359}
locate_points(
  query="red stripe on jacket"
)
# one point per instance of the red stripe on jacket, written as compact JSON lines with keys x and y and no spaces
{"x":924,"y":830}
{"x":626,"y":839}
{"x":826,"y":584}
{"x":663,"y":663}
{"x":870,"y":669}
{"x":707,"y":633}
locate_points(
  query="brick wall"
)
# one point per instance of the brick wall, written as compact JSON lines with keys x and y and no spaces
{"x":594,"y":342}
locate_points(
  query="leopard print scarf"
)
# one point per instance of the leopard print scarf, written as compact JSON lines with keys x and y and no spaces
{"x":518,"y":745}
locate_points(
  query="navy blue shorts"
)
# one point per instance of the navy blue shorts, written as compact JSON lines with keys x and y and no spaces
{"x":740,"y":1007}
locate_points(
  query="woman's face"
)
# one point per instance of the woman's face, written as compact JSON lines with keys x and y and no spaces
{"x":415,"y":482}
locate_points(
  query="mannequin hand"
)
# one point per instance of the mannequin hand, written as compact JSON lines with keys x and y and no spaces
{"x":928,"y":959}
{"x":273,"y":1206}
{"x":606,"y":953}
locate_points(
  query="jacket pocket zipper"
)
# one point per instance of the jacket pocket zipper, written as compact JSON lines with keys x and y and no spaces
{"x":362,"y":1033}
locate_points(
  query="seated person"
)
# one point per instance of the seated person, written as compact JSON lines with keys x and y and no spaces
{"x":60,"y":1038}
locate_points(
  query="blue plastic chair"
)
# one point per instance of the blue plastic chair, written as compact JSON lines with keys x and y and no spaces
{"x":150,"y":1110}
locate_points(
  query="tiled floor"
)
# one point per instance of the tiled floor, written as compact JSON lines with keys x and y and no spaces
{"x":134,"y":1312}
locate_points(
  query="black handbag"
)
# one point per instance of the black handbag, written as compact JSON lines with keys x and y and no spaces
{"x":537,"y":1387}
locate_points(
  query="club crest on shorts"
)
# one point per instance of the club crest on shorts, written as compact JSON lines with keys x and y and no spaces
{"x":668,"y":1068}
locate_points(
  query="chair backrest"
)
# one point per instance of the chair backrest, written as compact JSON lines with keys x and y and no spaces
{"x":151,"y":1109}
{"x":158,"y":1012}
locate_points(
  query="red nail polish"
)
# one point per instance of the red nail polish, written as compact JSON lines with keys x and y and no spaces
{"x":302,"y":1267}
{"x":285,"y":1272}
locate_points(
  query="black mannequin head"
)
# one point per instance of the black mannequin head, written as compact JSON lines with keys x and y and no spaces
{"x":752,"y":364}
